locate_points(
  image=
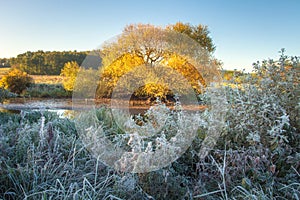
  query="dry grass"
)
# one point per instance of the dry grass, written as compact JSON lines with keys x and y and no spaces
{"x":47,"y":79}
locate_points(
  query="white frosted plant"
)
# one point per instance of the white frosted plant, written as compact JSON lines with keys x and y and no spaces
{"x":214,"y":117}
{"x":264,"y":112}
{"x":152,"y":122}
{"x":256,"y":117}
{"x":144,"y":143}
{"x":161,"y":138}
{"x":42,"y":132}
{"x":253,"y":137}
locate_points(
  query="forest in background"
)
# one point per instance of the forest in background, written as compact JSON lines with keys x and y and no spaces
{"x":43,"y":62}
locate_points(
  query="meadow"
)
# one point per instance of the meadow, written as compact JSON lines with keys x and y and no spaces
{"x":41,"y":86}
{"x":47,"y":79}
{"x":38,"y":79}
{"x":251,"y":149}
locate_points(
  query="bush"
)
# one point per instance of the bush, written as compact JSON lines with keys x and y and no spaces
{"x":262,"y":132}
{"x":16,"y":81}
{"x":69,"y":72}
{"x":265,"y":108}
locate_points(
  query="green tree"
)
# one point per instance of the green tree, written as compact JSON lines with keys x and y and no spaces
{"x":199,"y":33}
{"x":16,"y":81}
{"x":45,"y":62}
{"x":4,"y":62}
{"x":69,"y":72}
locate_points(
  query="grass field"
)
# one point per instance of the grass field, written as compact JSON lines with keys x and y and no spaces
{"x":45,"y":79}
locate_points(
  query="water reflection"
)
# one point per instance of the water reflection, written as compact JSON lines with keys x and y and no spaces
{"x":10,"y":111}
{"x":62,"y":107}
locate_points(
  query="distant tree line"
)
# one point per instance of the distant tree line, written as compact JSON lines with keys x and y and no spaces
{"x":4,"y":62}
{"x":43,"y":62}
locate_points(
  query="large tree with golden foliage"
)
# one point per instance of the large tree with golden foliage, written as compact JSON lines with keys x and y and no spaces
{"x":184,"y":50}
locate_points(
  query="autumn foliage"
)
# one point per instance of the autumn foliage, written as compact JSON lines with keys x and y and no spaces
{"x":16,"y":81}
{"x":69,"y":73}
{"x":158,"y":52}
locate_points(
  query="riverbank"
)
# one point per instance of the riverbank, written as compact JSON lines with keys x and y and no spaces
{"x":68,"y":104}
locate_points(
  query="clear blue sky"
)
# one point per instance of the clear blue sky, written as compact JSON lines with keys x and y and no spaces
{"x":244,"y":31}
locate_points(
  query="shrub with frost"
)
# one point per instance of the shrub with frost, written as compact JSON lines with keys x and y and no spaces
{"x":264,"y":108}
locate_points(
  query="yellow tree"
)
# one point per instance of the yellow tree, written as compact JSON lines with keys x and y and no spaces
{"x":69,"y":72}
{"x":152,"y":47}
{"x":112,"y":73}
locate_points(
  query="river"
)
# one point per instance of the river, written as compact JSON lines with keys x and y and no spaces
{"x":63,"y":107}
{"x":60,"y":106}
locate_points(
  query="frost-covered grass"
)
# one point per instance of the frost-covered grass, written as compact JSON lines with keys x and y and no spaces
{"x":254,"y":156}
{"x":42,"y":157}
